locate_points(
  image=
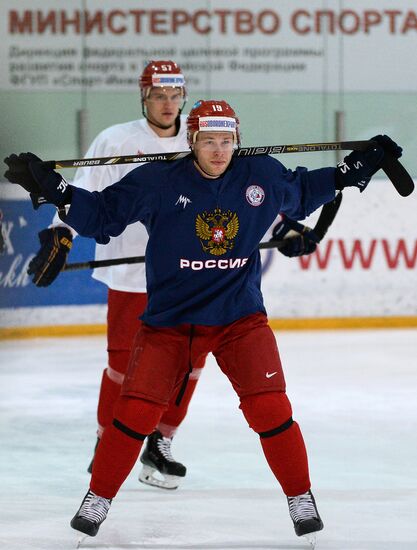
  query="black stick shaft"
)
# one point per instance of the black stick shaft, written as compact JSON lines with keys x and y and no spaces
{"x":392,"y":167}
{"x":243,"y":152}
{"x":139,"y":259}
{"x":92,"y":264}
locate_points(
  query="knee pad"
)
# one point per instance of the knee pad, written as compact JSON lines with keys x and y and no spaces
{"x":136,"y":417}
{"x":267,"y":413}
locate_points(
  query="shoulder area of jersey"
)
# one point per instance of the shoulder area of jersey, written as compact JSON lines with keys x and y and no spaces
{"x":122,"y":130}
{"x":258,"y":161}
{"x":157,"y":169}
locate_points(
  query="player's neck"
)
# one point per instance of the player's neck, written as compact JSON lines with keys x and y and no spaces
{"x":206,"y":174}
{"x":163,"y":132}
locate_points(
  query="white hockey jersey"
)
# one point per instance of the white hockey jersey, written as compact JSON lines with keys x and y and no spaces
{"x":130,"y":138}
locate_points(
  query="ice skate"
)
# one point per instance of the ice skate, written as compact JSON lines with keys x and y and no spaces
{"x":305,"y":516}
{"x":91,"y":514}
{"x":90,"y":467}
{"x":159,"y":467}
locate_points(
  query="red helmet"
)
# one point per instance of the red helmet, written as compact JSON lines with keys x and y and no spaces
{"x":161,"y":74}
{"x":212,"y":116}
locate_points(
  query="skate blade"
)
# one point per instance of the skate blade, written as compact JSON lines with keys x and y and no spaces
{"x":311,"y":538}
{"x":80,"y":540}
{"x":151,"y":476}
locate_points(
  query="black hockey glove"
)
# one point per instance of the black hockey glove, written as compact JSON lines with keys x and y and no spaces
{"x":19,"y":173}
{"x":43,"y":183}
{"x":299,"y":239}
{"x":389,"y":146}
{"x":45,"y":267}
{"x":357,"y":168}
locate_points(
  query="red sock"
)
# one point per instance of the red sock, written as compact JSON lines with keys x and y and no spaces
{"x":114,"y":459}
{"x":117,"y":451}
{"x":287,"y":457}
{"x":109,"y":392}
{"x":285,"y":452}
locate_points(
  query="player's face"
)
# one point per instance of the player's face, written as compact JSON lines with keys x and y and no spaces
{"x":162,"y":105}
{"x":213,"y":152}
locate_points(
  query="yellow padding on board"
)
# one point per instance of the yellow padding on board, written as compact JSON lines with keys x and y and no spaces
{"x":343,"y":323}
{"x":55,"y":331}
{"x":324,"y":323}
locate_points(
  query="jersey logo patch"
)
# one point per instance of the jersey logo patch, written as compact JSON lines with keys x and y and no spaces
{"x":255,"y":195}
{"x":183,"y":200}
{"x":216,"y":231}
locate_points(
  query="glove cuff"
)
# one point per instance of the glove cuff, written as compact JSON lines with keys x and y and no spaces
{"x":54,"y":187}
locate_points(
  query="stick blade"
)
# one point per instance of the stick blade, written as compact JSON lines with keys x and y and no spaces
{"x":327,"y":216}
{"x":398,"y":175}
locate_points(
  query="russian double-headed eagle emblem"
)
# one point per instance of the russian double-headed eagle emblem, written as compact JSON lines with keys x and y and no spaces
{"x":216,"y":231}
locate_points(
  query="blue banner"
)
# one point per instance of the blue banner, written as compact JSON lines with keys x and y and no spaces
{"x":20,"y":228}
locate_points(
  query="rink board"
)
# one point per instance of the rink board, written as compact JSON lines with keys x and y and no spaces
{"x":365,"y":268}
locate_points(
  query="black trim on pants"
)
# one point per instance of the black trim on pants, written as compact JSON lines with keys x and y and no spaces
{"x":190,"y":369}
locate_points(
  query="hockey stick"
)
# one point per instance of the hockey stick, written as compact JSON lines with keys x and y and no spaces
{"x":394,"y":170}
{"x":398,"y":175}
{"x":242,"y":152}
{"x":327,"y":215}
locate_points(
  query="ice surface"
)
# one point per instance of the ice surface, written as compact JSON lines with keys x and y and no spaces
{"x":354,"y":394}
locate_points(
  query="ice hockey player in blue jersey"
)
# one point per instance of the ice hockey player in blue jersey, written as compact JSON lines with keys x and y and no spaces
{"x":205,"y":216}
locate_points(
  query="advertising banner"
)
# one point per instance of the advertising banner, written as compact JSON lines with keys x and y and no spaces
{"x":365,"y":266}
{"x":239,"y":46}
{"x":20,"y":227}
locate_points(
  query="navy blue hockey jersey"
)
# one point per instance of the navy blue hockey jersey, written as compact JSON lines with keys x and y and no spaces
{"x":202,"y":259}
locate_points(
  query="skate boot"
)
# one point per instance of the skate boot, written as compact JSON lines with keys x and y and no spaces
{"x":159,"y":467}
{"x":305,"y":516}
{"x":93,"y":511}
{"x":90,"y":467}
